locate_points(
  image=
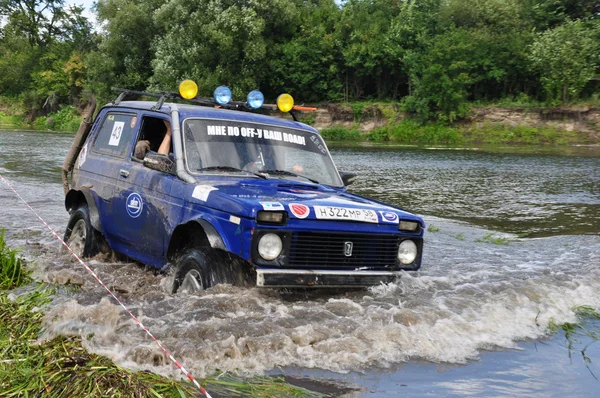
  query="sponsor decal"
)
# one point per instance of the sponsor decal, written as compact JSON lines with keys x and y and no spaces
{"x":388,"y":216}
{"x":82,"y":156}
{"x":201,"y":192}
{"x":115,"y":135}
{"x":133,"y":122}
{"x":134,"y":205}
{"x":299,"y":210}
{"x":235,"y":220}
{"x":344,"y":213}
{"x":272,"y":205}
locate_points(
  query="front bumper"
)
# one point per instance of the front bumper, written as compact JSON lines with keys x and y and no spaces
{"x":324,"y":278}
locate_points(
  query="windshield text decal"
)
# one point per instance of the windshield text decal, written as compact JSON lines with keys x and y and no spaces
{"x":251,"y":132}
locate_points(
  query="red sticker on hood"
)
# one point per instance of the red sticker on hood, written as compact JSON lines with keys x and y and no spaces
{"x":299,"y":210}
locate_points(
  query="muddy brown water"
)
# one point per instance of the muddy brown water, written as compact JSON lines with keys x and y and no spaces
{"x":513,"y":245}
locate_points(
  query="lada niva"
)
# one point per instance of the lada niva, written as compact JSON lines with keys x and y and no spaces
{"x":220,"y":195}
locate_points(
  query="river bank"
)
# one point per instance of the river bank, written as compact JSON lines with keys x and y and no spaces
{"x":384,"y":122}
{"x":486,"y":125}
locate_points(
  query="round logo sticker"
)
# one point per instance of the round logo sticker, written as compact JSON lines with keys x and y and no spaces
{"x":389,"y":216}
{"x":299,"y":210}
{"x":134,"y":205}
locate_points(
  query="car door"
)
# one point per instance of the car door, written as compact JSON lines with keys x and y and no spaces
{"x":145,"y":203}
{"x":102,"y":160}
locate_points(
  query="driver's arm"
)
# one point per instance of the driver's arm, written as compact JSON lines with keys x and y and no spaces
{"x":165,"y":145}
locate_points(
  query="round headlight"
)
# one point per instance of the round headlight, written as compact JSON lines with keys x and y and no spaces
{"x":407,"y":252}
{"x":270,"y":246}
{"x":222,"y":95}
{"x":255,"y":99}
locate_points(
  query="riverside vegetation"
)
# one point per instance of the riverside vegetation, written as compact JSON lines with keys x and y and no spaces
{"x":61,"y":367}
{"x":434,"y":58}
{"x":394,"y":129}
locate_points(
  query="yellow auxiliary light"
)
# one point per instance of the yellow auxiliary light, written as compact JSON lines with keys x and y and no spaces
{"x":188,"y":89}
{"x":285,"y":102}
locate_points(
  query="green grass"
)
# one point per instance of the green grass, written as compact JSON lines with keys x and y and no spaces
{"x":433,"y":228}
{"x":493,"y":239}
{"x":15,"y":121}
{"x":340,"y":133}
{"x":499,"y":134}
{"x":576,"y":330}
{"x":410,"y":131}
{"x":12,"y":272}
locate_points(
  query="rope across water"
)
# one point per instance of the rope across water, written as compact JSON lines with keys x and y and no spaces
{"x":139,"y":323}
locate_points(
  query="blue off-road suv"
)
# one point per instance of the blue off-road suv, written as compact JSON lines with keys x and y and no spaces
{"x":238,"y":197}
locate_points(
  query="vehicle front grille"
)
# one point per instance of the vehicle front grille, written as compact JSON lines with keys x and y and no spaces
{"x":328,"y":250}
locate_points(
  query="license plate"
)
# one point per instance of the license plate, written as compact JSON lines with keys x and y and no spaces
{"x":343,"y":213}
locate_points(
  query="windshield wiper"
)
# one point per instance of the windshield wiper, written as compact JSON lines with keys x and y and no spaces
{"x":229,"y":168}
{"x":288,"y":173}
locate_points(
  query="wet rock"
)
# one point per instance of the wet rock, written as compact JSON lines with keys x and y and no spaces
{"x":65,"y":277}
{"x":145,"y":355}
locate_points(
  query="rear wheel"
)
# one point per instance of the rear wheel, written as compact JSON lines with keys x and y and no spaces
{"x":81,"y":237}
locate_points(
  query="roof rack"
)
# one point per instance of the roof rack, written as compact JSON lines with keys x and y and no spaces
{"x":170,"y":95}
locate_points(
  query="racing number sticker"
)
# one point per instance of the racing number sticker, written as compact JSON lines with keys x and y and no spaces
{"x":115,"y":136}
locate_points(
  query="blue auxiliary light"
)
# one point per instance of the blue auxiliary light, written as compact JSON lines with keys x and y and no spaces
{"x":222,"y":95}
{"x":255,"y":99}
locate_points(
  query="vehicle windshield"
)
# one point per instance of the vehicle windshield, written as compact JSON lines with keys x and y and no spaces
{"x":244,"y":148}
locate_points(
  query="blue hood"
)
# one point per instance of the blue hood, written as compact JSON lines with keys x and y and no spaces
{"x":245,"y":197}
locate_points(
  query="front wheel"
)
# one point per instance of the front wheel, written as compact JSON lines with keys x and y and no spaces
{"x":193,"y":273}
{"x":81,"y":237}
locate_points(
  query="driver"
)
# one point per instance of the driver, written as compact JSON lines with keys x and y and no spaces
{"x":144,"y":146}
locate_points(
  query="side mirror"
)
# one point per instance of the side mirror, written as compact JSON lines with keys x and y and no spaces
{"x":347,"y":178}
{"x":158,"y":162}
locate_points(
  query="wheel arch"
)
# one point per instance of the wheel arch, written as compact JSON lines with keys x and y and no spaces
{"x":76,"y":197}
{"x":198,"y":233}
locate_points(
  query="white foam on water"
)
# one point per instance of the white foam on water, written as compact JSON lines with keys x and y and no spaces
{"x":435,"y":315}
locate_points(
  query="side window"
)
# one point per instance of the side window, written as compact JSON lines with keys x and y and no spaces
{"x":115,"y":134}
{"x":151,"y":136}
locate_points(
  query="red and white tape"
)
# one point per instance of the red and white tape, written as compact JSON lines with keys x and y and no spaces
{"x":179,"y":365}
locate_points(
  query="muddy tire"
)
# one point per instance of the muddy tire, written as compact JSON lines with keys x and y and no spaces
{"x":81,"y":237}
{"x":193,"y":273}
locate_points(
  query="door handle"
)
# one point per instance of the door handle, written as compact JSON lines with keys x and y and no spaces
{"x":124,"y":173}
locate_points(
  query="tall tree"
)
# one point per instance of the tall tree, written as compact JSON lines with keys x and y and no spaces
{"x":567,"y":58}
{"x":363,"y":33}
{"x":40,"y":21}
{"x":220,"y":42}
{"x":307,"y":65}
{"x":125,"y":56}
{"x":41,"y":45}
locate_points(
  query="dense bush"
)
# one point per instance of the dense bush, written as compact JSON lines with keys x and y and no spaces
{"x":67,"y":118}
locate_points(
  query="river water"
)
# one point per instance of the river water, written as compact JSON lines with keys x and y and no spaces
{"x":512,"y":247}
